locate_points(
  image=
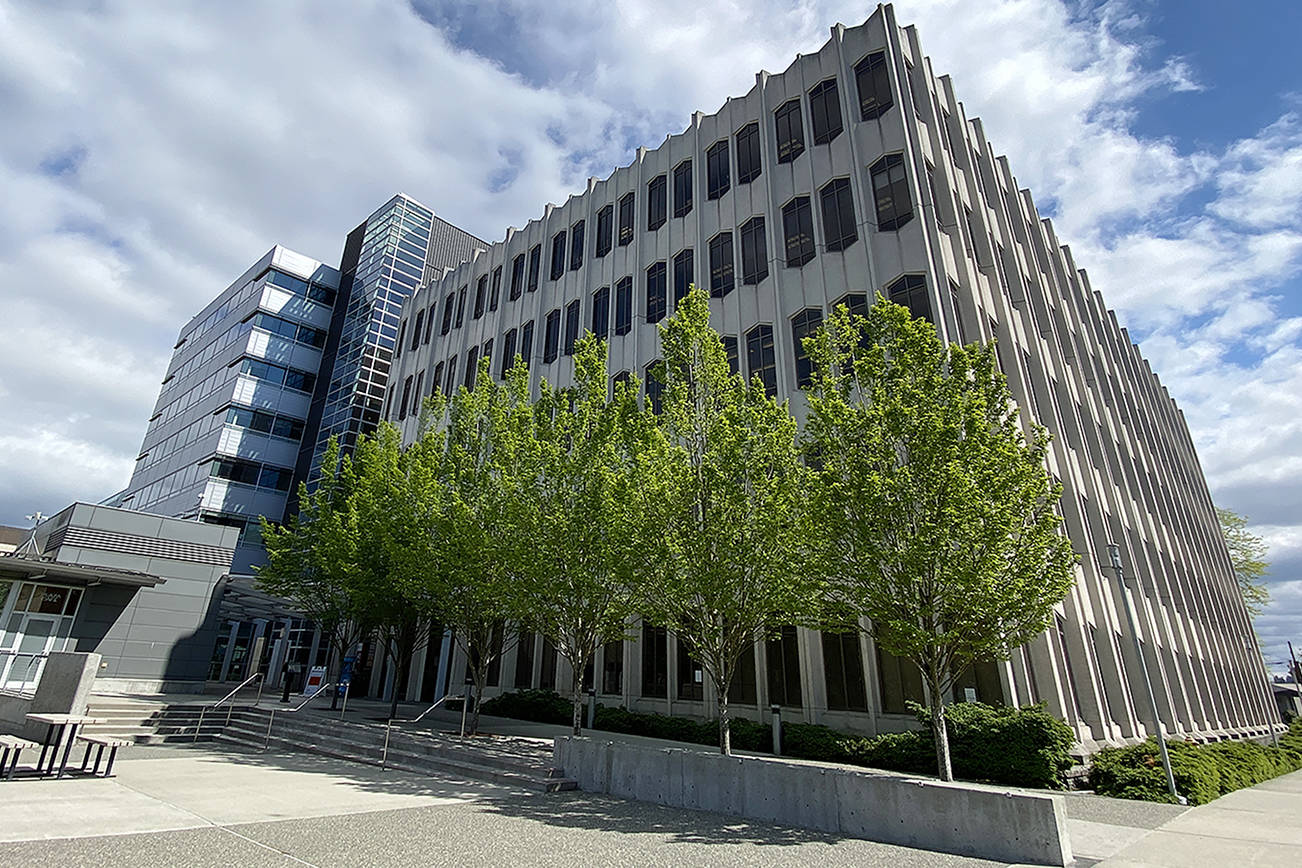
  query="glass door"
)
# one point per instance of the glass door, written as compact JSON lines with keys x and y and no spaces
{"x":39,"y":621}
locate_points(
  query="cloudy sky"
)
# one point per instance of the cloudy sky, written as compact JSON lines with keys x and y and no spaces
{"x":150,"y":152}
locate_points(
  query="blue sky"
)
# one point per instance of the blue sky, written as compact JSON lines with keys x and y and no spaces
{"x":150,"y":153}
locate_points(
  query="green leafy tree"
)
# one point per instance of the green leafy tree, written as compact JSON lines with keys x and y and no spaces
{"x":387,"y":550}
{"x":938,"y":512}
{"x":726,"y":490}
{"x":576,"y":524}
{"x":1248,"y":554}
{"x":307,"y":562}
{"x":470,"y":449}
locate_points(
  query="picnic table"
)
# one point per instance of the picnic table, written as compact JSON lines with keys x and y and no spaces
{"x":62,"y":728}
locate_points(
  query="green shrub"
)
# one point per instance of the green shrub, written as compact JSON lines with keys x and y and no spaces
{"x":1026,"y":747}
{"x":540,"y":706}
{"x":1202,"y":772}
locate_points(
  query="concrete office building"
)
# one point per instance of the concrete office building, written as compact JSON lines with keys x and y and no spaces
{"x":232,"y":412}
{"x":856,"y":171}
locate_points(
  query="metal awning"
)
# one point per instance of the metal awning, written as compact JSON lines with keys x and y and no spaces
{"x":83,"y":575}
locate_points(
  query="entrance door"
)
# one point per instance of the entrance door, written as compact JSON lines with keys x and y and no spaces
{"x":39,"y":620}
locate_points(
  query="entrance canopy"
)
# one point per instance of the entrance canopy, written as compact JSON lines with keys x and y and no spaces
{"x":15,"y":567}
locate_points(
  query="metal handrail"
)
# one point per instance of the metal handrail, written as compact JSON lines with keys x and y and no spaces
{"x":257,"y":676}
{"x":388,"y":726}
{"x":271,"y":718}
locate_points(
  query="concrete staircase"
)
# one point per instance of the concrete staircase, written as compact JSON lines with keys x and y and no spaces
{"x":512,"y":761}
{"x":152,"y":721}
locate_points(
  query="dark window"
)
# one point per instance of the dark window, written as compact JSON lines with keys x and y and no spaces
{"x":982,"y":679}
{"x":839,"y":230}
{"x":684,"y":274}
{"x":547,"y":670}
{"x":911,"y":292}
{"x":873,"y":79}
{"x":448,"y":301}
{"x":624,"y":377}
{"x":495,"y":294}
{"x":624,"y":306}
{"x":721,"y":265}
{"x":891,"y":192}
{"x":517,"y":277}
{"x":656,"y":204}
{"x":402,"y":331}
{"x":481,"y":296}
{"x":655,"y":292}
{"x":825,"y":111}
{"x":601,"y":312}
{"x":415,"y":329}
{"x":683,"y":189}
{"x":855,"y":302}
{"x":552,"y":336}
{"x":958,"y":324}
{"x":487,"y":353}
{"x":605,"y":221}
{"x":508,"y":353}
{"x":406,"y":398}
{"x":749,"y":164}
{"x":655,"y":661}
{"x":626,"y":205}
{"x":472,"y":362}
{"x":576,"y":245}
{"x":754,"y":251}
{"x":436,"y":382}
{"x":804,"y":325}
{"x":524,"y":660}
{"x":843,"y":672}
{"x":535,"y":264}
{"x":450,"y":384}
{"x":798,"y":227}
{"x":759,"y":357}
{"x":558,"y":256}
{"x":717,"y":174}
{"x":730,"y":349}
{"x":461,"y":305}
{"x":691,"y":675}
{"x":655,"y":388}
{"x":790,"y":131}
{"x":572,"y":314}
{"x":742,"y":689}
{"x":612,"y":667}
{"x":900,"y":682}
{"x":526,"y":343}
{"x":783,"y":657}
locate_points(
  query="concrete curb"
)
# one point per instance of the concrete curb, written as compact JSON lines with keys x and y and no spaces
{"x":965,"y":819}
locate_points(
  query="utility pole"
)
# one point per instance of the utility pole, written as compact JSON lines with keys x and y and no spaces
{"x":1297,"y":671}
{"x":1114,"y":554}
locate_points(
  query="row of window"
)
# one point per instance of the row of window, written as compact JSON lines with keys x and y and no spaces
{"x":302,"y":334}
{"x":840,"y":231}
{"x":290,"y":378}
{"x":266,"y":423}
{"x":251,"y":473}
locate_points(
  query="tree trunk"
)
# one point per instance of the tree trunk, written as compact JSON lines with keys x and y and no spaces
{"x":330,"y":669}
{"x":397,"y":677}
{"x":725,"y":723}
{"x":480,"y":675}
{"x":576,"y":697}
{"x":939,"y":731}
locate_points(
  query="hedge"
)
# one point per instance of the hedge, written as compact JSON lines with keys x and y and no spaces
{"x":1202,"y":772}
{"x":1018,"y":746}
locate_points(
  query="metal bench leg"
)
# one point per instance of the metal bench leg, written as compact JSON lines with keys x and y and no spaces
{"x":67,"y":749}
{"x":85,"y":759}
{"x":108,"y":769}
{"x":49,"y":734}
{"x":14,"y":765}
{"x":99,"y":755}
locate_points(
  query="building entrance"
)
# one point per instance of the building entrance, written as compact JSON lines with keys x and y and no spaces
{"x":37,"y":619}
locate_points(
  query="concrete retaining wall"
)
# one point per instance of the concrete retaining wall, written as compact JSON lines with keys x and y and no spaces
{"x":966,"y":819}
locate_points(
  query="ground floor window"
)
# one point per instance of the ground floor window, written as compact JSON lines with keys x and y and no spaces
{"x":843,"y":672}
{"x":612,"y":667}
{"x":782,"y":654}
{"x":691,"y":675}
{"x":655,"y":661}
{"x":900,"y":682}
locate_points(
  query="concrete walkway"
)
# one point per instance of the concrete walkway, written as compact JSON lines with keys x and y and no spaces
{"x":1261,"y":825}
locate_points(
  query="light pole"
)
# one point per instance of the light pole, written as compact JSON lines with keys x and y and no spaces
{"x":1114,"y":555}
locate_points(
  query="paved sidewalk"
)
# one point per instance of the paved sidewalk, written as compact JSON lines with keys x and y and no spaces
{"x":201,"y":806}
{"x":1261,"y":825}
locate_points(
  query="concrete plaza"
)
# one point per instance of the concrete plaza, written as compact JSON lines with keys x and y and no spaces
{"x":199,"y":805}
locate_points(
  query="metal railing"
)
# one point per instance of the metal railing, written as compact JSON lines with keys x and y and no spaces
{"x":257,"y":676}
{"x":388,"y":726}
{"x":271,"y":718}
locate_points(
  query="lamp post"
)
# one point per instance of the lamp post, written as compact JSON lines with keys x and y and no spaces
{"x":1114,"y":555}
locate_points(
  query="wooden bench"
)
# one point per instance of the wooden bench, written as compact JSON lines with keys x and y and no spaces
{"x":17,"y":745}
{"x":102,"y":741}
